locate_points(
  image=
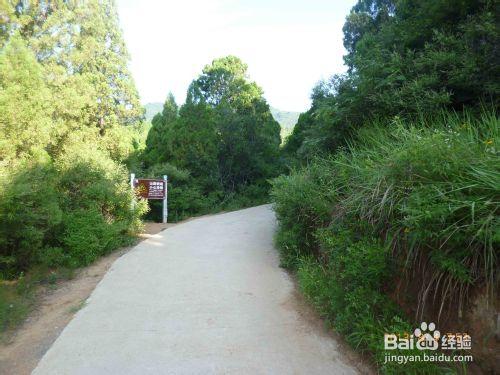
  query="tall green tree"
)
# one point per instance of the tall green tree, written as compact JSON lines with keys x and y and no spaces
{"x":26,"y":127}
{"x":157,"y":138}
{"x":405,"y":58}
{"x":68,"y":114}
{"x":249,"y":136}
{"x":225,"y":81}
{"x":224,"y":137}
{"x":82,"y":49}
{"x":192,"y":144}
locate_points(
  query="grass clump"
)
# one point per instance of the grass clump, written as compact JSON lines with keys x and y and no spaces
{"x":405,"y":201}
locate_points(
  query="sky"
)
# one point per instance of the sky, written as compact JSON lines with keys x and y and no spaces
{"x":289,"y":45}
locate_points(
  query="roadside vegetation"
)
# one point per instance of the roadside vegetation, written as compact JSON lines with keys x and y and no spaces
{"x":69,"y":120}
{"x":387,"y":190}
{"x":408,"y":202}
{"x":220,"y":148}
{"x":72,"y":130}
{"x":389,"y":215}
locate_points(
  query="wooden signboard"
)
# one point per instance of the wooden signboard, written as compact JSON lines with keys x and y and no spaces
{"x":150,"y":188}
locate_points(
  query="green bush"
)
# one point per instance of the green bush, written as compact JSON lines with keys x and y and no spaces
{"x":432,"y":192}
{"x":362,"y":314}
{"x":185,"y":197}
{"x":30,"y":214}
{"x":53,"y":257}
{"x":418,"y":199}
{"x":65,"y":213}
{"x":303,"y":202}
{"x":87,"y":236}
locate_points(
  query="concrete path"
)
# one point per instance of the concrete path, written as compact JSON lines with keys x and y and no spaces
{"x":203,"y":297}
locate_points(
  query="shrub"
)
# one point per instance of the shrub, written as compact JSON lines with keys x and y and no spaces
{"x":419,"y":199}
{"x":185,"y":197}
{"x":97,"y":202}
{"x":303,"y":202}
{"x":362,"y":314}
{"x":87,"y":236}
{"x":53,"y":257}
{"x":64,"y":213}
{"x":29,"y":215}
{"x":190,"y":196}
{"x":432,"y":192}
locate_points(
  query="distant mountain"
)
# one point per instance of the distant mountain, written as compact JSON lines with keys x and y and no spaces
{"x":152,"y":109}
{"x":286,"y":119}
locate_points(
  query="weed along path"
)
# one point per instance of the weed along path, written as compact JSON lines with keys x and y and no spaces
{"x":202,"y":297}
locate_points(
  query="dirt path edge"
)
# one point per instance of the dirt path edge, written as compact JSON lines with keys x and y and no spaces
{"x":55,"y":307}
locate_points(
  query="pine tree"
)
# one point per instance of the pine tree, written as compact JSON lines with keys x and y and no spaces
{"x":82,"y":50}
{"x":25,"y":104}
{"x":249,"y":136}
{"x":67,"y":112}
{"x":157,"y":140}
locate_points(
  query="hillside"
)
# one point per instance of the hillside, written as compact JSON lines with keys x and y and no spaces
{"x":152,"y":109}
{"x":286,"y":119}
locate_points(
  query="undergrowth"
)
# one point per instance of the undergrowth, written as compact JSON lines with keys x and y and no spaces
{"x":404,"y":201}
{"x":17,"y":297}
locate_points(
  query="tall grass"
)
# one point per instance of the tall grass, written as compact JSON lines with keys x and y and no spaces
{"x":416,"y":201}
{"x":432,"y":190}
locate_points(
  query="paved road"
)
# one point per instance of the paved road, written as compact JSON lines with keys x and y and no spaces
{"x":203,"y":297}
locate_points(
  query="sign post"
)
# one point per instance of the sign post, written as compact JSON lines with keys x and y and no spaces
{"x":165,"y":206}
{"x":149,"y":188}
{"x":132,"y":179}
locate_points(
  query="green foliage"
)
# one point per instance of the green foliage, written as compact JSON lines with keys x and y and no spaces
{"x":402,"y":176}
{"x":247,"y":135}
{"x":406,"y":198}
{"x":81,"y":48}
{"x":29,"y":214}
{"x":433,"y":192}
{"x":68,"y":122}
{"x":223,"y":138}
{"x":405,"y":59}
{"x":158,"y":136}
{"x":96,"y":194}
{"x":362,"y":313}
{"x":224,"y":81}
{"x":303,"y":203}
{"x":87,"y":236}
{"x":24,"y":103}
{"x":53,"y":257}
{"x":80,"y":203}
{"x":184,"y":195}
